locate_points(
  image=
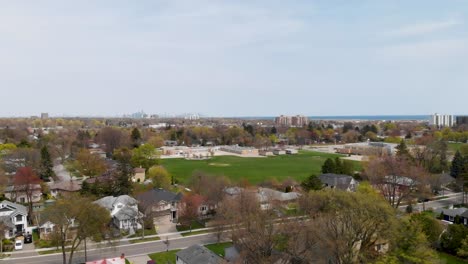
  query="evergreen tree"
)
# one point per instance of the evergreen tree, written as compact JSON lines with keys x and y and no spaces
{"x":46,"y":167}
{"x":136,"y":137}
{"x":328,"y":166}
{"x":402,"y":151}
{"x":312,"y":183}
{"x":338,"y":166}
{"x":124,"y":173}
{"x":457,"y":165}
{"x":273,"y":130}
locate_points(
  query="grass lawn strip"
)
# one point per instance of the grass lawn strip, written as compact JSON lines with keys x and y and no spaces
{"x":170,"y":256}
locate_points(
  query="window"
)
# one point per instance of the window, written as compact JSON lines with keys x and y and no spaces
{"x":451,"y":218}
{"x":22,"y":200}
{"x":203,"y":208}
{"x":19,"y":218}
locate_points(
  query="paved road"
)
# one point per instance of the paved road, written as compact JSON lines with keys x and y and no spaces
{"x":128,"y":250}
{"x":61,"y":173}
{"x":453,"y":199}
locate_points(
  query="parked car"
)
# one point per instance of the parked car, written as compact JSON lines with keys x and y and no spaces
{"x":28,"y":239}
{"x":18,"y":244}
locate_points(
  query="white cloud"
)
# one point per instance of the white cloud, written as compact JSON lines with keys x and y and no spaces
{"x":423,"y":28}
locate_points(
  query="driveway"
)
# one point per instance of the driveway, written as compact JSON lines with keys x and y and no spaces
{"x":164,"y":225}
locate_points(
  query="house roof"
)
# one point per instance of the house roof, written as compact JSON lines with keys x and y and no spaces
{"x":453,"y":212}
{"x":70,"y":186}
{"x":13,"y":188}
{"x":155,"y":196}
{"x":139,"y":170}
{"x":198,"y":254}
{"x":265,"y":194}
{"x":17,"y":208}
{"x":126,"y":213}
{"x":339,"y":181}
{"x":108,"y":202}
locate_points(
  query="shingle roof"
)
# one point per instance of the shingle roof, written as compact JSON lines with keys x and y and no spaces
{"x":155,"y":196}
{"x":70,"y":186}
{"x":453,"y":212}
{"x":339,"y":181}
{"x":197,"y":254}
{"x":109,"y":201}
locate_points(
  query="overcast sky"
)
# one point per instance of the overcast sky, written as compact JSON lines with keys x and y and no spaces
{"x":233,"y":58}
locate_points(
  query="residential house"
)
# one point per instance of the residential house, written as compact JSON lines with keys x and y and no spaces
{"x":268,"y":197}
{"x":14,"y":217}
{"x":64,"y":188}
{"x":339,"y":181}
{"x":19,"y":193}
{"x":197,"y":254}
{"x":449,"y":215}
{"x":161,"y":203}
{"x":139,"y":175}
{"x":123,"y":210}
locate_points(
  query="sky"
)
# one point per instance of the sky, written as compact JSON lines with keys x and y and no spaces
{"x":233,"y":58}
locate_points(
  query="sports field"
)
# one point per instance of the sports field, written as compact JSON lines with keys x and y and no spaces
{"x":255,"y":170}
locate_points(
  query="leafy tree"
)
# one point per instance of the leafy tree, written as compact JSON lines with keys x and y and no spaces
{"x":78,"y":218}
{"x":429,"y":226}
{"x":451,"y":240}
{"x":160,"y":177}
{"x":463,"y":249}
{"x":410,"y":246}
{"x":145,"y":156}
{"x":312,"y":183}
{"x":328,"y":166}
{"x":89,"y":164}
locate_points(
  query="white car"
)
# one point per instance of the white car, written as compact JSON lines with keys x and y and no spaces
{"x":18,"y":244}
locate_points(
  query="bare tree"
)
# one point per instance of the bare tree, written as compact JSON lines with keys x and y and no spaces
{"x":396,"y":179}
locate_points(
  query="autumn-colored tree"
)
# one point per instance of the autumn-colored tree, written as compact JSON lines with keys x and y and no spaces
{"x":189,"y":211}
{"x":25,"y":181}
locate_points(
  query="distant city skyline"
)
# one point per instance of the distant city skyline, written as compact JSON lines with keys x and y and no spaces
{"x":233,"y":58}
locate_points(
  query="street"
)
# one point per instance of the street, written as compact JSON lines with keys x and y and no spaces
{"x":454,"y":198}
{"x":115,"y":251}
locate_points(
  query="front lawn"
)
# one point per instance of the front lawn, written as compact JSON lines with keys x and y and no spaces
{"x":139,"y":233}
{"x":170,"y":256}
{"x":164,"y":257}
{"x":218,"y":249}
{"x":195,"y":225}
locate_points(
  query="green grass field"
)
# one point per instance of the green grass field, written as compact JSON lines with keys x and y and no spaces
{"x":453,"y":147}
{"x":255,"y":170}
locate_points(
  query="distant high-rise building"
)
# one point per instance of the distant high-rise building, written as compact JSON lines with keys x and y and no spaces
{"x":462,"y":120}
{"x":44,"y":115}
{"x":439,"y":120}
{"x":295,"y":121}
